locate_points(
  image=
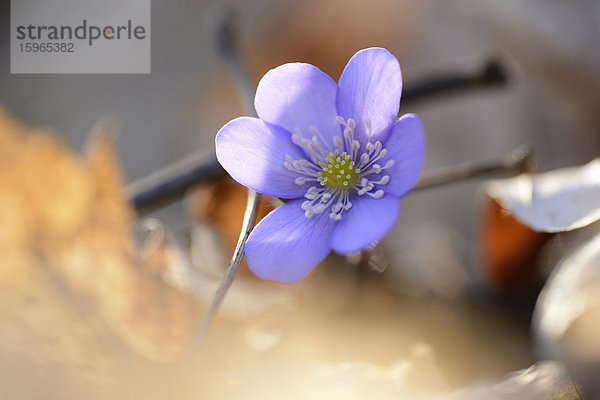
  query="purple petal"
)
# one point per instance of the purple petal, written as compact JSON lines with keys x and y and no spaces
{"x":406,"y":146}
{"x":286,"y":245}
{"x":367,"y":221}
{"x":253,"y":153}
{"x":370,"y":87}
{"x":299,"y":95}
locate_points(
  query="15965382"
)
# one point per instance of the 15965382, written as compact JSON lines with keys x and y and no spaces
{"x":44,"y":47}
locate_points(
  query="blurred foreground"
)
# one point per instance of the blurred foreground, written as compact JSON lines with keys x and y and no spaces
{"x":87,"y":314}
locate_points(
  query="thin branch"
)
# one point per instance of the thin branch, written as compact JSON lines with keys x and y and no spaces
{"x":238,"y":70}
{"x":491,"y":74}
{"x":518,"y":161}
{"x":170,"y":184}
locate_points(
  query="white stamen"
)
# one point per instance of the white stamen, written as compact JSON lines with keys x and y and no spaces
{"x":319,"y":208}
{"x":365,"y":190}
{"x":377,"y":195}
{"x":348,"y":171}
{"x":367,"y":123}
{"x":297,"y":139}
{"x":338,"y":142}
{"x":351,"y":124}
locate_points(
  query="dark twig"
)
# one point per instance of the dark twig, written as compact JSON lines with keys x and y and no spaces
{"x":518,"y":161}
{"x":170,"y":184}
{"x":492,"y":74}
{"x":238,"y":70}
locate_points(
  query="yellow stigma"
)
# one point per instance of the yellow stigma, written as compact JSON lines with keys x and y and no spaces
{"x":339,"y":171}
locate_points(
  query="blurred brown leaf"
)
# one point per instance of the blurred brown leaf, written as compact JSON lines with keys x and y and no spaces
{"x":509,"y":251}
{"x":72,"y":282}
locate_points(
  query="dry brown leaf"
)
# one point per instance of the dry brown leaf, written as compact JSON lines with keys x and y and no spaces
{"x":72,"y":283}
{"x":509,"y":251}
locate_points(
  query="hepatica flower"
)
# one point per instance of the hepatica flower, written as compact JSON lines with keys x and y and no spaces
{"x":336,"y":150}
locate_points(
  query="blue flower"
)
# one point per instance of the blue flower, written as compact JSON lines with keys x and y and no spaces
{"x":336,"y":150}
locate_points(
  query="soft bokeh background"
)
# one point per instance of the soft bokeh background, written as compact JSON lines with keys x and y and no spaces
{"x":550,"y":47}
{"x":429,"y":339}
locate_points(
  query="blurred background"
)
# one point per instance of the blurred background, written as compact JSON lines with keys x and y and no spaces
{"x":550,"y":50}
{"x":441,"y":316}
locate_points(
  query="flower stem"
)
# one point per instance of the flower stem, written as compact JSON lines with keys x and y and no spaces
{"x":226,"y":46}
{"x":234,"y":266}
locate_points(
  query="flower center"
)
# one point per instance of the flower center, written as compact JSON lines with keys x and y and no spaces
{"x":338,"y":171}
{"x":340,"y":179}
